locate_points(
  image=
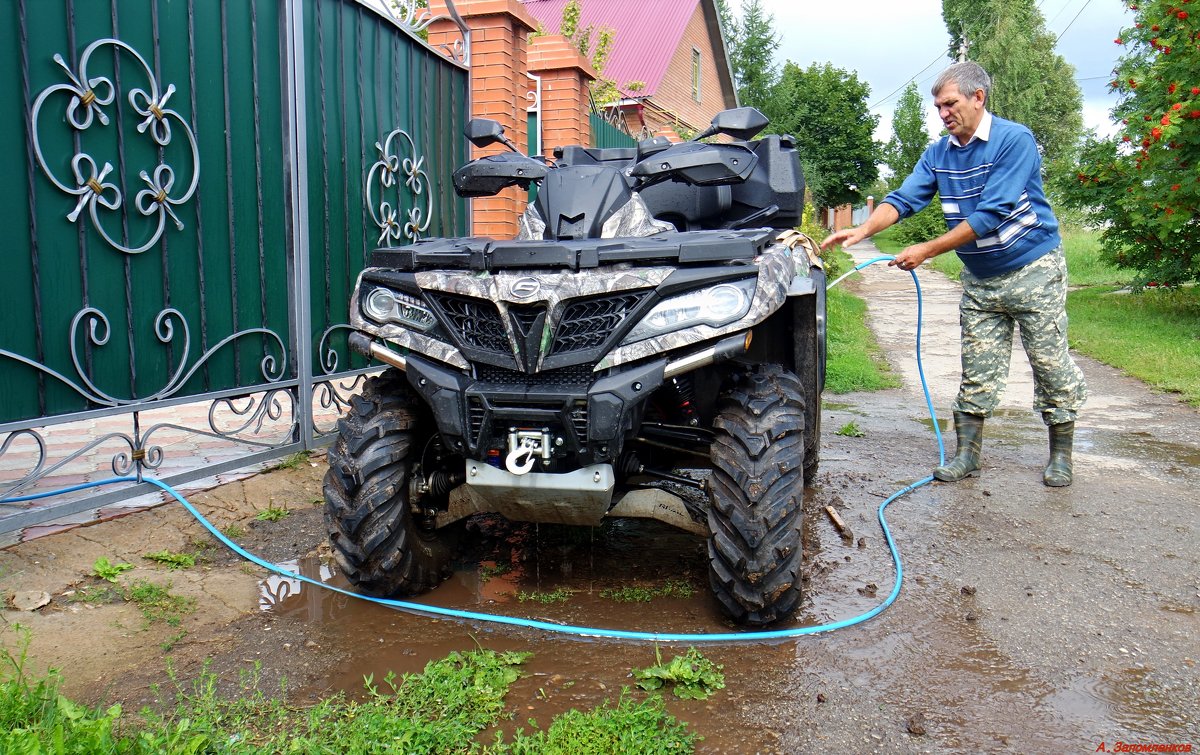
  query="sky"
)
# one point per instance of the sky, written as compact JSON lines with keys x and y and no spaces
{"x":889,"y":42}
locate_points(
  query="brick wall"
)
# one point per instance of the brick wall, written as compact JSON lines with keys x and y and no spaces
{"x":499,"y":83}
{"x":502,"y":57}
{"x":565,"y":76}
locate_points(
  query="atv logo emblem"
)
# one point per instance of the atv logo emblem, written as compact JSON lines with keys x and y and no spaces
{"x":523,"y":288}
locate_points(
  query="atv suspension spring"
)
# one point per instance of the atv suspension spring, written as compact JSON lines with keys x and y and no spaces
{"x":685,"y":396}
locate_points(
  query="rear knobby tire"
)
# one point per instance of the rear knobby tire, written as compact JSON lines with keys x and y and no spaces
{"x":377,"y":542}
{"x":757,"y":494}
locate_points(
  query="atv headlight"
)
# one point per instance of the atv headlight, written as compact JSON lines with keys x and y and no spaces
{"x":384,"y":305}
{"x":716,"y":306}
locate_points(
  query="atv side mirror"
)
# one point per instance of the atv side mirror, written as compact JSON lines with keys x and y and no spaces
{"x":742,"y":123}
{"x":483,"y":132}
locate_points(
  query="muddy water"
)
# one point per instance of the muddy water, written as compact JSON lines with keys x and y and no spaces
{"x":510,"y":561}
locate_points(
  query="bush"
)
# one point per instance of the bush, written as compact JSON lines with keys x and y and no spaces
{"x":925,"y":225}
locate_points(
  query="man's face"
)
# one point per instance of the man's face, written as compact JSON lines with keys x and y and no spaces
{"x":960,"y":113}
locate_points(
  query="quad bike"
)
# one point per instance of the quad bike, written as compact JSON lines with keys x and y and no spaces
{"x":656,"y":317}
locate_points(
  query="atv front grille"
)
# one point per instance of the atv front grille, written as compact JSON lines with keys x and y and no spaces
{"x":526,"y":317}
{"x":587,"y":323}
{"x":575,"y":379}
{"x":476,"y":322}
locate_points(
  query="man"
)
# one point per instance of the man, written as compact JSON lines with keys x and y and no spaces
{"x":988,"y":174}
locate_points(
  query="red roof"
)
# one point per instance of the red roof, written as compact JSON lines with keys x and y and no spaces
{"x":647,"y":33}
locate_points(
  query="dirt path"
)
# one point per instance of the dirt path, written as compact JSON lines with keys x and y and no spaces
{"x":1031,"y":619}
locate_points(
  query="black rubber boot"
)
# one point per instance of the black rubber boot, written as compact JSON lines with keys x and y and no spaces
{"x":969,"y":429}
{"x":1058,"y":470}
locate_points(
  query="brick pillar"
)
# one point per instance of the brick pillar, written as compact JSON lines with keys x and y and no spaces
{"x":565,"y":74}
{"x":499,"y":82}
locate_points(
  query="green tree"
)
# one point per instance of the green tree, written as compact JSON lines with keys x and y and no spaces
{"x":1142,"y":186}
{"x":909,"y":140}
{"x":909,"y":137}
{"x":1031,"y":83}
{"x":825,"y":108}
{"x":752,"y":45}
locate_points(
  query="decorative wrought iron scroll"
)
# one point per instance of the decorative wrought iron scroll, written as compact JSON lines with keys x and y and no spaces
{"x":88,"y":98}
{"x":390,"y":175}
{"x":98,"y":332}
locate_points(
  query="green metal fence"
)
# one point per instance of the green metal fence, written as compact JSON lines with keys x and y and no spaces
{"x":196,"y":185}
{"x":605,"y":134}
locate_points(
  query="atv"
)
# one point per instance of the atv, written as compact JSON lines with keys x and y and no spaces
{"x":652,"y":344}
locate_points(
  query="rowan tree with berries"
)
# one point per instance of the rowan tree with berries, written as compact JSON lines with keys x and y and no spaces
{"x":1142,"y":186}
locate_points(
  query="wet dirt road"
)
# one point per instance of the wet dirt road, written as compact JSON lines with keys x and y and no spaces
{"x":1031,"y":619}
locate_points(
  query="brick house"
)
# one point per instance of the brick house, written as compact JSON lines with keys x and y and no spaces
{"x":674,"y":48}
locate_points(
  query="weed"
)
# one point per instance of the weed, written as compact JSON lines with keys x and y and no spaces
{"x":94,"y":595}
{"x":168,"y":644}
{"x":234,"y":531}
{"x":105,"y":569}
{"x":201,"y":543}
{"x":443,"y":709}
{"x":674,"y":588}
{"x":172,"y":560}
{"x":158,"y":604}
{"x":850,"y":430}
{"x":272,"y":513}
{"x":487,"y":571}
{"x":627,"y":726}
{"x":295,"y":461}
{"x":692,"y":676}
{"x":561,"y":595}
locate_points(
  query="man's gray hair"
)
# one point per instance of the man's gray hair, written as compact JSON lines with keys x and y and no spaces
{"x":968,"y":76}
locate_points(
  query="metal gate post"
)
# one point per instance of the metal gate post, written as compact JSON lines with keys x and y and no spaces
{"x":296,"y":214}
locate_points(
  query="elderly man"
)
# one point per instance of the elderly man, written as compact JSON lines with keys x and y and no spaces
{"x":987,"y":171}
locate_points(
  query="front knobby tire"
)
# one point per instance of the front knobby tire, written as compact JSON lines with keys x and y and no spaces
{"x":377,"y":542}
{"x":757,"y":494}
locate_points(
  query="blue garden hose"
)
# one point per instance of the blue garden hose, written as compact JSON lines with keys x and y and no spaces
{"x":567,"y":629}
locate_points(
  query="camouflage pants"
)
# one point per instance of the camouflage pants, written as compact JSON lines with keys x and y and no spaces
{"x":1033,"y":297}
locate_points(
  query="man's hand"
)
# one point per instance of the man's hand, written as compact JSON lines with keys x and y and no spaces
{"x":845,"y":237}
{"x":913,"y":256}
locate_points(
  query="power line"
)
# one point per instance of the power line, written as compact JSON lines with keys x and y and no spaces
{"x":1081,"y":10}
{"x":911,"y":79}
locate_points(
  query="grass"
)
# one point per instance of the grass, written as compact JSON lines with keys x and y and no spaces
{"x":272,"y":513}
{"x":850,"y":430}
{"x":855,"y":361}
{"x":172,"y":560}
{"x":158,"y":604}
{"x":446,"y":709}
{"x":673,"y":588}
{"x":1152,"y":335}
{"x":561,"y":595}
{"x":294,"y":461}
{"x":624,"y":727}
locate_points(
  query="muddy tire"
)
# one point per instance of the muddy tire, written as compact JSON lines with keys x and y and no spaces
{"x":377,"y":543}
{"x":757,"y":493}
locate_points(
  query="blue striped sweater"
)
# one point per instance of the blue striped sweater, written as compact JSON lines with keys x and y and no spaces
{"x":995,"y":185}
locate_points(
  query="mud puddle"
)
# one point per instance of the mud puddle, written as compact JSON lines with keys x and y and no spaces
{"x":626,"y":574}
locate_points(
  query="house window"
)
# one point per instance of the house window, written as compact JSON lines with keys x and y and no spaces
{"x":695,"y":74}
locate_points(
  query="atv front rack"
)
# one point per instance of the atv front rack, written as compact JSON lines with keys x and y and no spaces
{"x":485,"y":254}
